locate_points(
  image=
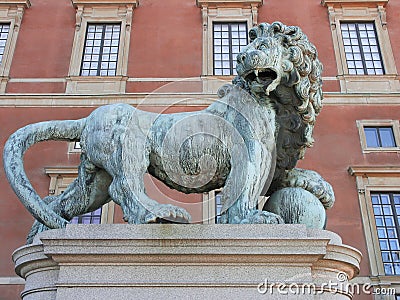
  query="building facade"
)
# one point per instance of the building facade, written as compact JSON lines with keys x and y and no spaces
{"x":62,"y":59}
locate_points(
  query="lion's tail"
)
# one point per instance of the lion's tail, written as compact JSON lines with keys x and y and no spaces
{"x":14,"y":150}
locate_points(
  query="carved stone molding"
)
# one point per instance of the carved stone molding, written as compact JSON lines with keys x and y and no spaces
{"x":357,"y":3}
{"x":76,"y":3}
{"x":231,"y":3}
{"x":23,"y":3}
{"x":374,"y":171}
{"x":252,"y":5}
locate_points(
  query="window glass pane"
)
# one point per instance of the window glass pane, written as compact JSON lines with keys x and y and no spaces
{"x":387,"y":210}
{"x":382,"y":233}
{"x":384,"y":244}
{"x":396,"y":256}
{"x":93,"y":217}
{"x":394,"y":245}
{"x":391,"y":233}
{"x":389,"y":221}
{"x":378,"y":210}
{"x":375,"y":199}
{"x":388,"y":269}
{"x":371,"y":135}
{"x":385,"y":199}
{"x":387,"y":138}
{"x":386,"y":257}
{"x":379,"y":221}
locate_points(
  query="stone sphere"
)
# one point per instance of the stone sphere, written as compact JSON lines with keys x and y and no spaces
{"x":297,"y":206}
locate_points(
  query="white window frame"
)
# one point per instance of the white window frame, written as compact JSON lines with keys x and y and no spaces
{"x":369,"y":180}
{"x":362,"y":11}
{"x":100,"y":11}
{"x":73,"y":149}
{"x":394,"y":124}
{"x":209,"y":206}
{"x":11,"y":11}
{"x":217,"y":11}
{"x":61,"y":178}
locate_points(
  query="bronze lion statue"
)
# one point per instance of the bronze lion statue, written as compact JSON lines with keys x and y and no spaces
{"x":247,"y":142}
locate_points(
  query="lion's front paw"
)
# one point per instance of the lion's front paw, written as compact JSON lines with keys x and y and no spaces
{"x":262,"y":217}
{"x":167,"y":213}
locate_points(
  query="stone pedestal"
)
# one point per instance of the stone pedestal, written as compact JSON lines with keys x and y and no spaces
{"x":166,"y":261}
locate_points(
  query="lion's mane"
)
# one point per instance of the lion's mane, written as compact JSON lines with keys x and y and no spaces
{"x":298,"y":99}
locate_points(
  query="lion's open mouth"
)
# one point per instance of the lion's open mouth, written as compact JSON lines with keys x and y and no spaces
{"x":262,"y":76}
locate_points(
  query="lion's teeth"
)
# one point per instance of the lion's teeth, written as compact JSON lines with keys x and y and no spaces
{"x":256,"y":73}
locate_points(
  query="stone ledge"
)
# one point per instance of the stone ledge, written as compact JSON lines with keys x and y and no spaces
{"x":93,"y":261}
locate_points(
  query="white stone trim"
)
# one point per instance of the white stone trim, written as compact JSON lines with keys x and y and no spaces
{"x":167,"y":99}
{"x":394,"y":124}
{"x":370,"y":10}
{"x":11,"y":12}
{"x":100,"y":11}
{"x":36,"y":80}
{"x":11,"y":280}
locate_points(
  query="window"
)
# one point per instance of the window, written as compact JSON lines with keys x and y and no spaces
{"x":228,"y":40}
{"x":379,"y":198}
{"x":93,"y":217}
{"x":99,"y":59}
{"x":225,"y":25}
{"x":361,"y":48}
{"x":386,"y":208}
{"x":361,"y":43}
{"x":101,"y":50}
{"x":379,"y":135}
{"x":4,"y":29}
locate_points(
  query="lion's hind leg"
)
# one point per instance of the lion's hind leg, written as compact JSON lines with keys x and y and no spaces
{"x":86,"y":193}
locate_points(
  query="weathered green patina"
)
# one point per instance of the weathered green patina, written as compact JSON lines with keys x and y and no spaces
{"x":248,"y":143}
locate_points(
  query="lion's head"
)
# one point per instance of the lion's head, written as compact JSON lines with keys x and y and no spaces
{"x":280,"y":64}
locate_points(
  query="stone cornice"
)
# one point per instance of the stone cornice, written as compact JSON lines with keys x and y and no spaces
{"x":374,"y":170}
{"x":230,"y":3}
{"x":134,"y":3}
{"x":354,"y":3}
{"x":166,"y":99}
{"x":25,"y":3}
{"x":61,"y":171}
